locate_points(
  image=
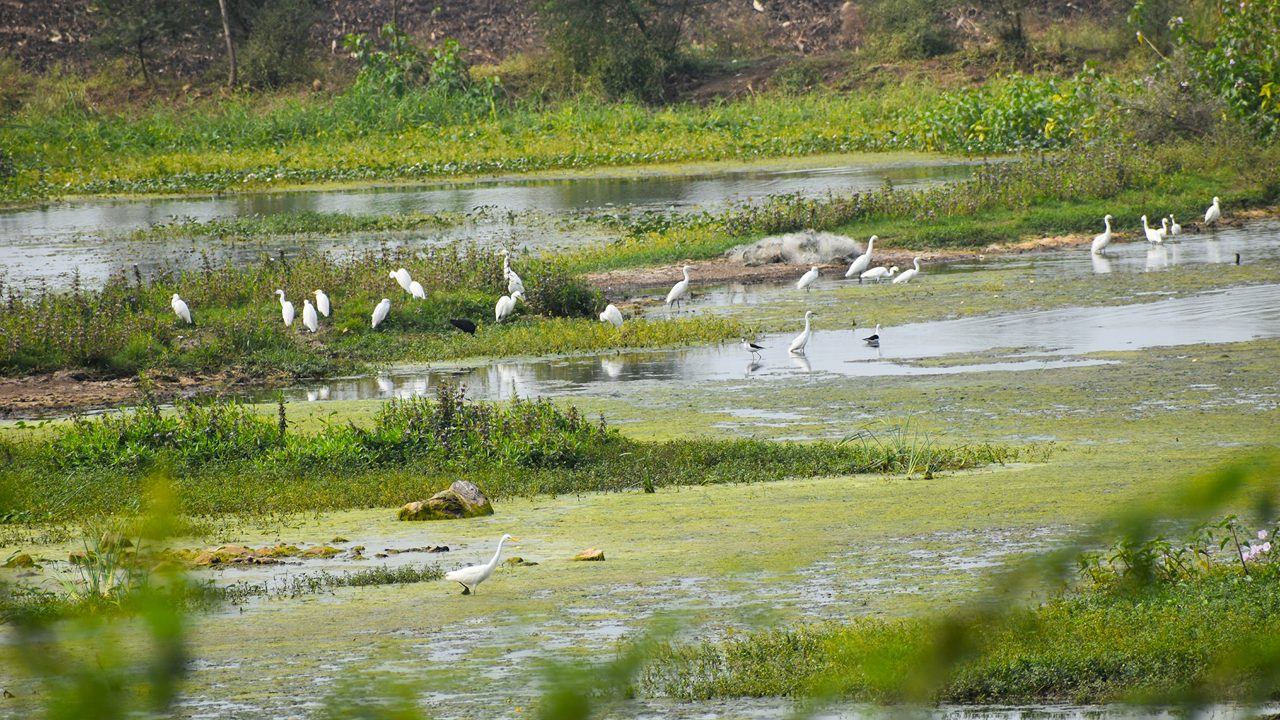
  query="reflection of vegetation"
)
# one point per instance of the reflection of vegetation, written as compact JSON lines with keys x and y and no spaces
{"x":294,"y":223}
{"x":1154,"y":620}
{"x":413,"y":448}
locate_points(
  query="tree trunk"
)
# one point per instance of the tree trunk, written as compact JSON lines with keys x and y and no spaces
{"x":231,"y":47}
{"x":142,"y":63}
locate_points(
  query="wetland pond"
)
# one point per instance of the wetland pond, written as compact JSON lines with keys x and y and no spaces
{"x":47,"y":243}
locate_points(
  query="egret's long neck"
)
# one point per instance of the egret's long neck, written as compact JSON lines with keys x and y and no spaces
{"x":1107,"y":222}
{"x":917,"y":264}
{"x":870,"y":244}
{"x":686,"y":274}
{"x":493,"y":562}
{"x":806,"y":323}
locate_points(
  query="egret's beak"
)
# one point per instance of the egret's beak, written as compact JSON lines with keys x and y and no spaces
{"x":515,"y":539}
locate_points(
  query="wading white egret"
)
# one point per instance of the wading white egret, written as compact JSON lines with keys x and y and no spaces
{"x":1153,"y":234}
{"x":309,"y":318}
{"x":471,"y":576}
{"x":907,"y":275}
{"x":879,"y":274}
{"x":1214,"y":213}
{"x":752,"y":348}
{"x":506,"y":305}
{"x":612,"y":315}
{"x":322,"y":303}
{"x":680,"y":290}
{"x":1164,"y":228}
{"x":797,"y":345}
{"x":180,"y":308}
{"x":1174,"y":227}
{"x":401,"y":277}
{"x":1102,"y":240}
{"x":286,"y":309}
{"x":874,"y":338}
{"x":416,"y":290}
{"x":862,"y":262}
{"x":380,"y":313}
{"x":807,"y":279}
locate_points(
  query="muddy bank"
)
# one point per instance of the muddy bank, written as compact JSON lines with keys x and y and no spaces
{"x":78,"y":390}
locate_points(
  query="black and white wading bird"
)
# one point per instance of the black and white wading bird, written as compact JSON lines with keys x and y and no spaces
{"x":752,"y":348}
{"x":874,"y":338}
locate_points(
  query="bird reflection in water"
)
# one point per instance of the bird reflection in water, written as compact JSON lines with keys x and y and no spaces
{"x":612,"y":366}
{"x":1101,"y":265}
{"x":801,"y":362}
{"x":752,"y":366}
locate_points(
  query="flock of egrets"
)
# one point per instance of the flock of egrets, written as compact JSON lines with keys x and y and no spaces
{"x":1169,"y":227}
{"x":860,"y":268}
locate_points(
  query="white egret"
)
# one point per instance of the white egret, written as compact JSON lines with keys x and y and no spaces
{"x":879,"y":274}
{"x":807,"y":279}
{"x":1164,"y":228}
{"x":381,"y":311}
{"x":322,"y":303}
{"x":612,"y":315}
{"x":874,"y":338}
{"x":907,"y":275}
{"x":401,"y":277}
{"x":1102,"y":240}
{"x":862,"y":262}
{"x":506,"y":305}
{"x":1153,"y":234}
{"x":286,"y":309}
{"x":797,"y":345}
{"x":309,"y":318}
{"x":180,"y":308}
{"x":514,"y":283}
{"x":752,"y":348}
{"x":680,"y":290}
{"x":1174,"y":227}
{"x":471,"y":576}
{"x":416,"y":290}
{"x":1214,"y":213}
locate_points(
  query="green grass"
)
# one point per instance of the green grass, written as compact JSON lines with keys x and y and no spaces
{"x":1209,"y":637}
{"x":62,"y":144}
{"x":412,"y":448}
{"x":295,"y":223}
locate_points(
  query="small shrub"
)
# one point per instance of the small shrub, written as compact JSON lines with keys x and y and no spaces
{"x":276,"y":51}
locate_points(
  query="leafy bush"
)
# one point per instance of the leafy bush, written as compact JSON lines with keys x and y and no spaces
{"x":909,"y":29}
{"x":276,"y":52}
{"x":1240,"y":62}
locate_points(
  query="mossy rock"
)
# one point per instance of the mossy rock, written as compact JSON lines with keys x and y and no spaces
{"x":590,"y":555}
{"x":21,"y":560}
{"x":320,"y":551}
{"x":461,"y":500}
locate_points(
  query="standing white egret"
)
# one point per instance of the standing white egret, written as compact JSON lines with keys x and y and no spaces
{"x":402,"y":278}
{"x":416,"y":290}
{"x":1153,"y":234}
{"x":797,"y":345}
{"x":874,"y":338}
{"x":752,"y":348}
{"x":1174,"y":227}
{"x":472,"y":575}
{"x":380,"y":312}
{"x":1164,"y":228}
{"x":1214,"y":213}
{"x":907,"y":275}
{"x":514,"y":283}
{"x":286,"y":309}
{"x":506,"y":305}
{"x":862,"y":262}
{"x":322,"y":303}
{"x":1102,"y":240}
{"x":680,"y":290}
{"x":180,"y":308}
{"x":807,"y":279}
{"x":612,"y":315}
{"x":309,"y":317}
{"x":879,"y":274}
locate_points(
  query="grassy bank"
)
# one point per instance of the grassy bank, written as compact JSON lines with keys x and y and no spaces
{"x":411,"y":449}
{"x":61,"y":143}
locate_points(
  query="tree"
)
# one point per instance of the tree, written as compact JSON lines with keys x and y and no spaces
{"x":133,"y":27}
{"x":231,"y":46}
{"x":629,"y":46}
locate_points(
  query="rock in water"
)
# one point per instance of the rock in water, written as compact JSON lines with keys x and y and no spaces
{"x":462,"y":500}
{"x":22,"y":560}
{"x":595,"y":554}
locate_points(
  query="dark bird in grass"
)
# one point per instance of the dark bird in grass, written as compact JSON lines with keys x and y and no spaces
{"x":465,"y":326}
{"x":1237,"y":258}
{"x":874,"y":339}
{"x":752,"y":348}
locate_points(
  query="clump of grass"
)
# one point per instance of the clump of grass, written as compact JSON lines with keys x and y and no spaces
{"x":411,"y":449}
{"x":295,"y":223}
{"x":311,"y":583}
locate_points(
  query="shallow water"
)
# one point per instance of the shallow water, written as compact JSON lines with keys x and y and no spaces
{"x":1030,"y":340}
{"x":50,"y":242}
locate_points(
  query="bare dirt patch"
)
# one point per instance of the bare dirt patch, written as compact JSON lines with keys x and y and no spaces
{"x":72,"y":390}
